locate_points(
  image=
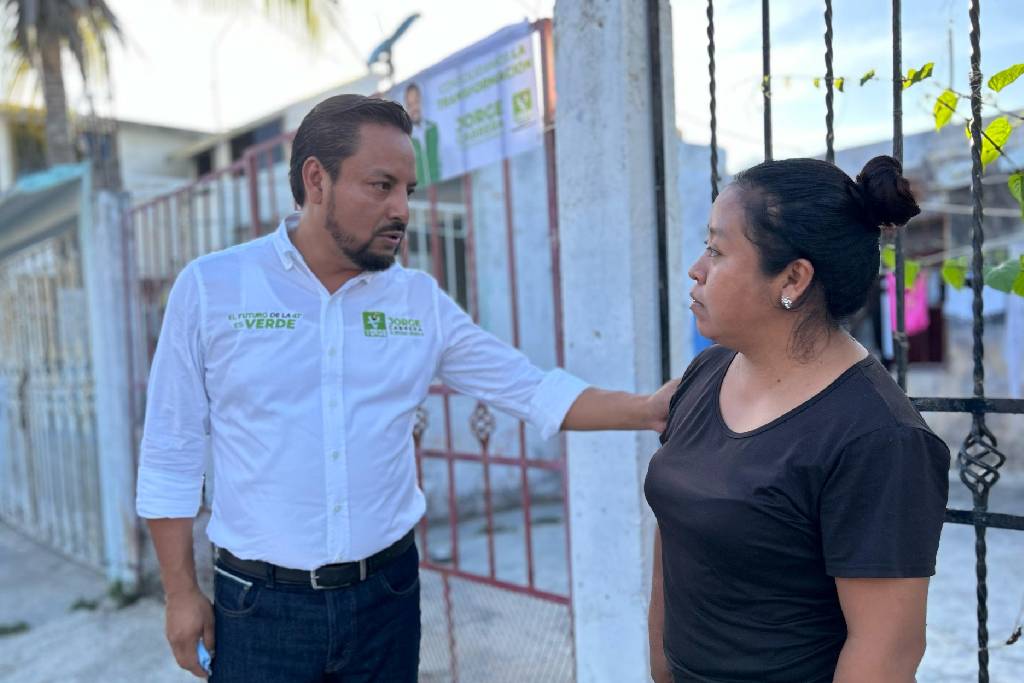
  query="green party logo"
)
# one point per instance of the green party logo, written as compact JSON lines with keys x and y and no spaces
{"x":522,"y":106}
{"x":375,"y":324}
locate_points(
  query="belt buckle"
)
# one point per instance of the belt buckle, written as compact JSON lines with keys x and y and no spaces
{"x":317,"y":587}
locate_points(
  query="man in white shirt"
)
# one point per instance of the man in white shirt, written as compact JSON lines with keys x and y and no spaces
{"x":300,"y":359}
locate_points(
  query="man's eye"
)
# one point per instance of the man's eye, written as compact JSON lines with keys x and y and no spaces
{"x":385,"y":186}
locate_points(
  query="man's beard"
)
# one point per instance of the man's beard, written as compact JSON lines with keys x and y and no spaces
{"x":360,"y":254}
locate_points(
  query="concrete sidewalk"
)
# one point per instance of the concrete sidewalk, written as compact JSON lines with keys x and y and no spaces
{"x":110,"y":645}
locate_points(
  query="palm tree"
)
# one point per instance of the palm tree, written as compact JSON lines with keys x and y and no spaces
{"x":43,"y":29}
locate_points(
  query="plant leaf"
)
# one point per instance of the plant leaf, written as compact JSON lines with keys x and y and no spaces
{"x":1018,"y":284}
{"x":918,"y":75}
{"x":889,"y":257}
{"x":944,"y":108}
{"x":996,"y":135}
{"x":1006,"y":77}
{"x":1016,"y":185}
{"x":1004,"y":276}
{"x":954,"y":272}
{"x":867,"y":77}
{"x":817,"y":82}
{"x":910,"y":270}
{"x":839,"y":83}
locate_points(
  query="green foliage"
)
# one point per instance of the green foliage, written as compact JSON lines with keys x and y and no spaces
{"x":944,"y":108}
{"x":996,"y":134}
{"x":954,"y":272}
{"x":123,"y":598}
{"x":918,"y":75}
{"x":84,"y":605}
{"x":840,"y":82}
{"x":1006,"y":77}
{"x":868,"y":75}
{"x":1007,"y":277}
{"x":13,"y":629}
{"x":911,"y":268}
{"x":1016,"y":185}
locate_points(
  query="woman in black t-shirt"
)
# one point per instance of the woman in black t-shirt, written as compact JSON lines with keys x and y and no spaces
{"x":799,"y":495}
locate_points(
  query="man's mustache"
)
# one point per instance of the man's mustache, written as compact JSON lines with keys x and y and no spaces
{"x":397,"y":226}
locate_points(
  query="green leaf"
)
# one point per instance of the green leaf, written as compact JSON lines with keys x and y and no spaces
{"x":1018,"y":284}
{"x":867,"y":77}
{"x":1006,"y":77}
{"x":954,"y":272}
{"x":1016,"y":185}
{"x":910,"y":267}
{"x":1004,"y":277}
{"x":910,"y":270}
{"x":996,"y":135}
{"x":889,"y":257}
{"x":918,"y":75}
{"x":817,"y":82}
{"x":840,"y":82}
{"x":944,"y":108}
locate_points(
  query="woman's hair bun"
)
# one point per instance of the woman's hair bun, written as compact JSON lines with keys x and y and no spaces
{"x":886,"y":193}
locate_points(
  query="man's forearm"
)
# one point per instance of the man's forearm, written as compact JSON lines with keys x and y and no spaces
{"x":597,"y":409}
{"x":172,"y":539}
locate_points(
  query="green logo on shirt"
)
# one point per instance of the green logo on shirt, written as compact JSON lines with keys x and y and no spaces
{"x":273,"y":320}
{"x":377,"y":324}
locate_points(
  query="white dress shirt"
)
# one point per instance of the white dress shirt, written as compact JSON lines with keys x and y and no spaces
{"x":308,"y":400}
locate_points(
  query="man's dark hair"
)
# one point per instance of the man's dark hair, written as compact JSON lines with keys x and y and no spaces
{"x":330,"y":132}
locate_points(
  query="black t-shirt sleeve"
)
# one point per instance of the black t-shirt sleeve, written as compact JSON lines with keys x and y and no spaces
{"x":686,"y":382}
{"x":883,"y":505}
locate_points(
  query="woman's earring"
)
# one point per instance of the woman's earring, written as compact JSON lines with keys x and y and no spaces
{"x":787,"y":303}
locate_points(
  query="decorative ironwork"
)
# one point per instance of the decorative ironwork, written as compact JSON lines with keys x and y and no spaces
{"x":711,"y":88}
{"x":830,"y":154}
{"x":482,"y":423}
{"x":421,"y":424}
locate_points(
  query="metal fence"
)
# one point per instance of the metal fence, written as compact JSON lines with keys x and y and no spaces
{"x":49,"y":477}
{"x":979,"y":459}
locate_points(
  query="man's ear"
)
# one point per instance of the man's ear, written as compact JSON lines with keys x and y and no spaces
{"x":315,"y":180}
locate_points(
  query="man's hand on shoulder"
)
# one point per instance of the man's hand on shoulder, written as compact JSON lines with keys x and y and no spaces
{"x":658,"y":404}
{"x":189,"y":618}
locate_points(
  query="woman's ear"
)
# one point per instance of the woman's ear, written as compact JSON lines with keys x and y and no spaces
{"x":796,"y":279}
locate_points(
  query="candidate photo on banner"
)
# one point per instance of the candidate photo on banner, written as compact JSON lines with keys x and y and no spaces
{"x":476,"y":107}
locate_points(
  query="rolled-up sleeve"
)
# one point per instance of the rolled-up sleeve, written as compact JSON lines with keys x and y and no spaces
{"x":172,"y":456}
{"x":477,"y":363}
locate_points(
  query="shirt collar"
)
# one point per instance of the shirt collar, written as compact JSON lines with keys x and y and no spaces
{"x":290,"y":255}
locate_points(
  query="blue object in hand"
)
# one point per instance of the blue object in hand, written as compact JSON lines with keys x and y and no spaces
{"x":204,"y":657}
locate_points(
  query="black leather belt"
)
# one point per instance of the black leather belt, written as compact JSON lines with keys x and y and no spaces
{"x":321,"y":578}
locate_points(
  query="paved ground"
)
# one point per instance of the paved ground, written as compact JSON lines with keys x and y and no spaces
{"x":500,"y":636}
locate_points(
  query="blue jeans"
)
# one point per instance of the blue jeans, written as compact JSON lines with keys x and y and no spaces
{"x":365,"y":633}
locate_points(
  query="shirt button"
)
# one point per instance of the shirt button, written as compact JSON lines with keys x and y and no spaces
{"x":335,"y":455}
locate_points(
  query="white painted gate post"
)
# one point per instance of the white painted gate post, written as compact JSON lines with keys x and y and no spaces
{"x":608,"y":236}
{"x":106,"y":295}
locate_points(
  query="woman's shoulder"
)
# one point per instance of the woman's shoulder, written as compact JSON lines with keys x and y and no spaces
{"x":872,"y":401}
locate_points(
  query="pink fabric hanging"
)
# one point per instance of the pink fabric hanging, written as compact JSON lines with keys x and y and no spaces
{"x":915,"y":303}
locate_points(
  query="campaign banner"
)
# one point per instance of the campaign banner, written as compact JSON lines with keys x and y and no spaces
{"x":476,"y":107}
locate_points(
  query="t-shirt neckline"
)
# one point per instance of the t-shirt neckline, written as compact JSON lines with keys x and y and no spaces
{"x":867,"y":360}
